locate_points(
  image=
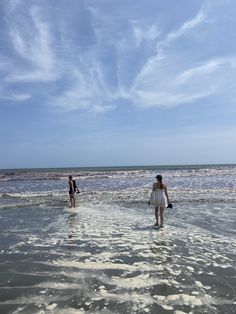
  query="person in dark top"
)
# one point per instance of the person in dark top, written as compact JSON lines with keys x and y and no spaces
{"x":73,"y":189}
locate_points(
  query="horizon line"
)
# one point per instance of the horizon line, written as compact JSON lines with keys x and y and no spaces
{"x":127,"y":166}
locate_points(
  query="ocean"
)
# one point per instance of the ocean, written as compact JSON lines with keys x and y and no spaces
{"x":106,"y":255}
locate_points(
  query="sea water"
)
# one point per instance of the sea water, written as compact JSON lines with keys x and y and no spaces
{"x":106,"y":256}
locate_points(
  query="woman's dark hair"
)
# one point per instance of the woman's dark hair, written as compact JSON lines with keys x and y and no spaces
{"x":70,"y":177}
{"x":159,"y":179}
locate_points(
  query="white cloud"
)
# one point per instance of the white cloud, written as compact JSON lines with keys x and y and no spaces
{"x":163,"y":81}
{"x":78,"y":99}
{"x":172,"y":77}
{"x":15,"y":97}
{"x":33,"y":44}
{"x":188,"y":25}
{"x":168,"y":98}
{"x":167,"y":89}
{"x":161,"y":54}
{"x":128,"y":57}
{"x":207,"y":68}
{"x":102,"y":108}
{"x":144,"y":33}
{"x":86,"y":93}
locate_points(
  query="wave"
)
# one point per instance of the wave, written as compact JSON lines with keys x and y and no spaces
{"x":49,"y":175}
{"x":127,"y":199}
{"x":125,"y":186}
{"x":123,"y":172}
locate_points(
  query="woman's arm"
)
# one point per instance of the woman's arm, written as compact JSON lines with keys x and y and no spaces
{"x":76,"y":187}
{"x":166,"y":193}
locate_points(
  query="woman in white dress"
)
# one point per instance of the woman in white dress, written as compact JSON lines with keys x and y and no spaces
{"x":160,"y":198}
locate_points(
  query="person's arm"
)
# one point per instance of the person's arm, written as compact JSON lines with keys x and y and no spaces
{"x":76,"y":188}
{"x":154,"y":187}
{"x":166,"y":193}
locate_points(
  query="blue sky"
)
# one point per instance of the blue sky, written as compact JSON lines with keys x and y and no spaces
{"x":107,"y":82}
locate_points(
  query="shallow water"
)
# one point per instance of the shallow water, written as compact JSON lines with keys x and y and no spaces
{"x":106,"y":256}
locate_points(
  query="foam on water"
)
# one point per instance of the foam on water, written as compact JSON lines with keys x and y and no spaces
{"x":107,"y":256}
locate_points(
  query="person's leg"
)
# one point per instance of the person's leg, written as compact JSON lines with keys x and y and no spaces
{"x":161,"y":216}
{"x":73,"y":200}
{"x":70,"y":200}
{"x":156,"y":215}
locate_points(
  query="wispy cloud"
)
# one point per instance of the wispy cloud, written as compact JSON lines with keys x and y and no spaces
{"x":16,"y":97}
{"x":86,"y":93}
{"x":187,"y":26}
{"x":89,"y":58}
{"x":168,"y":99}
{"x":162,"y":49}
{"x":210,"y":67}
{"x":175,"y":76}
{"x":141,"y":34}
{"x":33,"y":45}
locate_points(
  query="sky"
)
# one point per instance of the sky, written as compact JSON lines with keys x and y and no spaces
{"x":116,"y":83}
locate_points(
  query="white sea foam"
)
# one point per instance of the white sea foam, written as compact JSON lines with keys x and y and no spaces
{"x":107,"y":253}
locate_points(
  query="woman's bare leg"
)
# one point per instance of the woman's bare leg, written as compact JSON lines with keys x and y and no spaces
{"x":72,"y":200}
{"x":156,"y":215}
{"x":161,"y":216}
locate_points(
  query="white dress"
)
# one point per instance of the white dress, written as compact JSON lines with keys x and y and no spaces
{"x":158,"y":198}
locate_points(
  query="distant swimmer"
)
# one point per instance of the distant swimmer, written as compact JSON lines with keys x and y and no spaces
{"x":158,"y":199}
{"x":73,"y":189}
